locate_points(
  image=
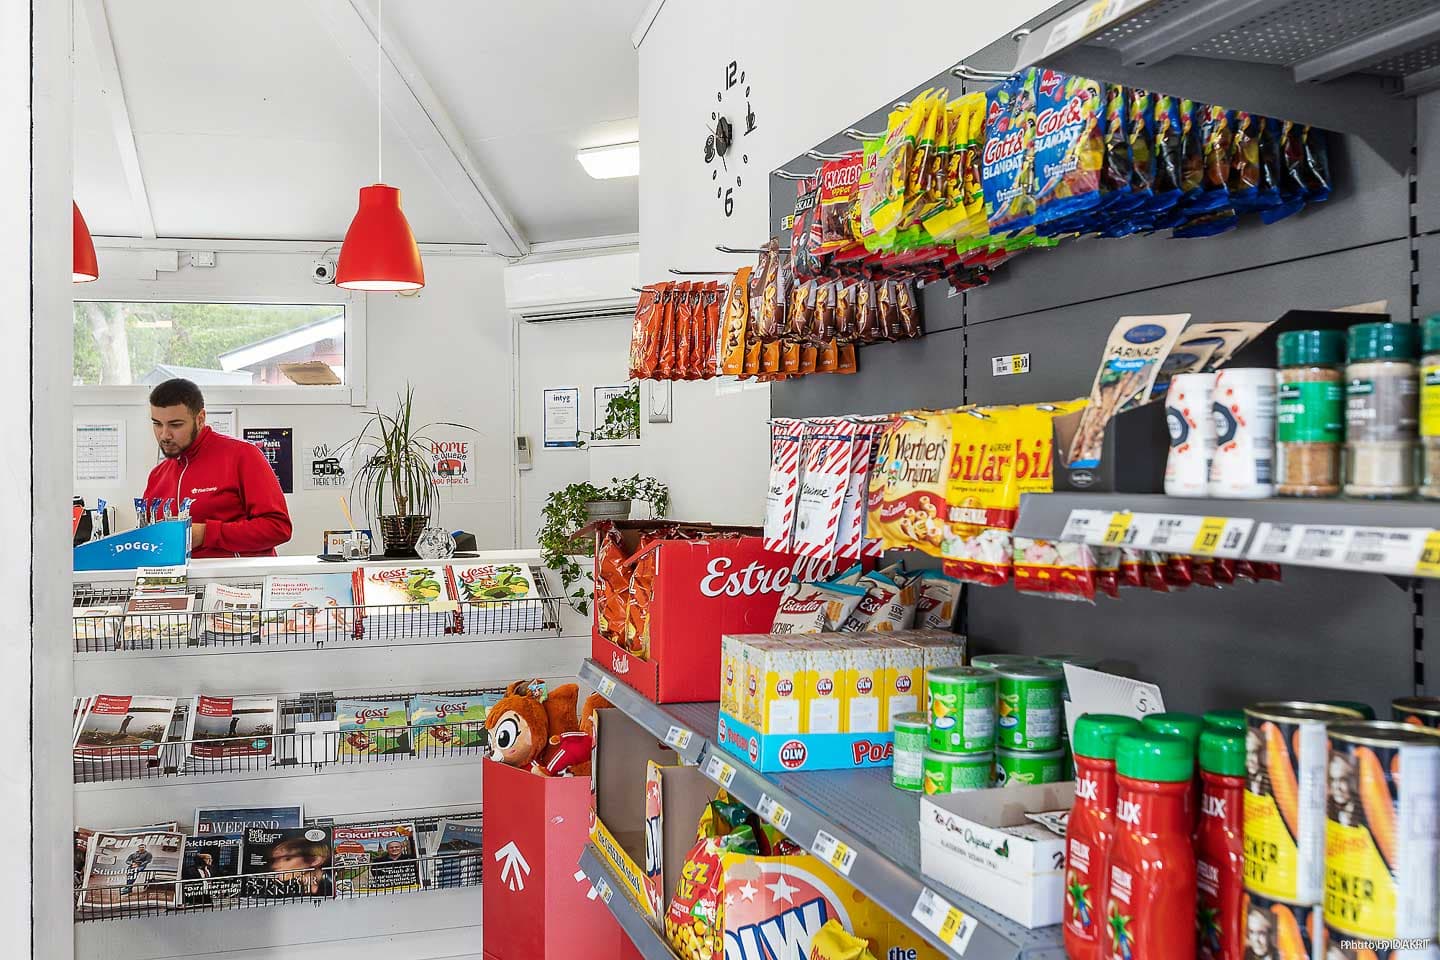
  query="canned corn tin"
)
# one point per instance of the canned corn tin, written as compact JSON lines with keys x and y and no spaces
{"x":1285,"y":751}
{"x":912,"y":733}
{"x":1028,"y":705}
{"x":1382,"y":838}
{"x":962,"y":709}
{"x":1018,"y":768}
{"x":957,"y":773}
{"x":1417,"y":711}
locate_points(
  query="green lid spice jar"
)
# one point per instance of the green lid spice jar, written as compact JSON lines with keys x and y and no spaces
{"x":1381,"y":410}
{"x":1310,"y":420}
{"x":1430,"y":407}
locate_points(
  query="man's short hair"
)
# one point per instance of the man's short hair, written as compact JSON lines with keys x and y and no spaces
{"x":177,"y":391}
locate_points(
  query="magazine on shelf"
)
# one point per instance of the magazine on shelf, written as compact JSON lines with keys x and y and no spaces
{"x":286,"y":863}
{"x":457,"y":848}
{"x":81,"y":705}
{"x":210,"y":873}
{"x":127,"y":870}
{"x":236,"y":820}
{"x":445,"y":722}
{"x":124,"y":727}
{"x":157,"y":620}
{"x":378,"y":858}
{"x":373,"y":725}
{"x":231,"y":613}
{"x":317,"y":606}
{"x":167,"y":579}
{"x":405,"y":601}
{"x":497,"y":597}
{"x":82,"y":843}
{"x":226,"y":728}
{"x":96,"y":627}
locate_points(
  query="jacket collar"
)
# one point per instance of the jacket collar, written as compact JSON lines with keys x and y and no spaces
{"x":190,"y":452}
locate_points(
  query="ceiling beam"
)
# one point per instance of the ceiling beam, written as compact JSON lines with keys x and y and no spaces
{"x":112,"y":92}
{"x":414,"y":106}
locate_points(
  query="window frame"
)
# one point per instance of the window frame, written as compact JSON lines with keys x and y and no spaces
{"x":351,"y":393}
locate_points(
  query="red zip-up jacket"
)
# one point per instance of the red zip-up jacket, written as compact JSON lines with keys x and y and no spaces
{"x":237,"y":496}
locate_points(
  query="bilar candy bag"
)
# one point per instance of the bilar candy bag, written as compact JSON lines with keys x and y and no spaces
{"x":907,"y":506}
{"x":1052,"y":568}
{"x":982,"y":496}
{"x":1008,"y":161}
{"x":1069,"y":149}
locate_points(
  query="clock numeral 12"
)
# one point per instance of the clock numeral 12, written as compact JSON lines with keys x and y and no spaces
{"x":729,"y":201}
{"x":731,"y":69}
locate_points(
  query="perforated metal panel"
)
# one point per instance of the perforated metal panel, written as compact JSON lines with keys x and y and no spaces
{"x":1305,"y":28}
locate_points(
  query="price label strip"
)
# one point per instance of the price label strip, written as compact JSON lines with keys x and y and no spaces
{"x":773,"y":811}
{"x":952,"y":925}
{"x":1397,"y":551}
{"x":1087,"y":19}
{"x":606,"y":686}
{"x":1165,"y":532}
{"x":603,"y":889}
{"x":833,"y":851}
{"x":719,"y":771}
{"x":678,"y":737}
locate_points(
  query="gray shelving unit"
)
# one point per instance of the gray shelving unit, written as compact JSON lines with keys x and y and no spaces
{"x":627,"y":913}
{"x":854,"y":819}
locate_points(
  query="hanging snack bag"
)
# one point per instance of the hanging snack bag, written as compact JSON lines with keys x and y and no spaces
{"x":907,"y":504}
{"x":675,"y":296}
{"x":1245,"y":172}
{"x":1008,"y":161}
{"x":736,"y":318}
{"x":1219,"y":139}
{"x":805,"y":229}
{"x":892,"y":171}
{"x":1169,"y":160}
{"x":862,"y":461}
{"x":939,"y":599}
{"x":908,"y":306}
{"x":839,"y":181}
{"x":981,"y":496}
{"x":645,"y":332}
{"x":709,"y":348}
{"x":1140,"y":120}
{"x":826,"y":457}
{"x":1317,"y":165}
{"x":1069,"y":148}
{"x":1132,"y":562}
{"x":887,"y":303}
{"x":867,"y":313}
{"x":1115,"y":174}
{"x":1107,"y":570}
{"x":784,"y":484}
{"x":941,"y":220}
{"x":1128,"y":368}
{"x":1052,"y":568}
{"x":919,"y":183}
{"x":679,"y":352}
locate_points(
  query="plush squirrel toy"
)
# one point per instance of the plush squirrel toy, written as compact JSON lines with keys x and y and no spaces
{"x":530,"y":729}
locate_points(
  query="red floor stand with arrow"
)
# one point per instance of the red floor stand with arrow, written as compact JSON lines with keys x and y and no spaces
{"x":538,"y":905}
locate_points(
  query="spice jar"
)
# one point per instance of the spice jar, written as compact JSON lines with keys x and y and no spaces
{"x":1430,"y":408}
{"x":1243,"y":404}
{"x":1310,"y":416}
{"x":1381,"y":410}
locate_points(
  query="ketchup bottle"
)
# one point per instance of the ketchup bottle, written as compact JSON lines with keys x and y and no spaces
{"x":1150,"y":898}
{"x":1220,"y":845}
{"x":1091,"y":826}
{"x":1186,"y":726}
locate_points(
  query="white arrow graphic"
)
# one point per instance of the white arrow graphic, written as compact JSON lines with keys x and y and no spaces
{"x":513,"y":868}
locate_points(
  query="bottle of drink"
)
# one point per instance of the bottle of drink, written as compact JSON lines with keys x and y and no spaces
{"x":1091,"y":826}
{"x":1186,"y":726}
{"x":1220,"y":845}
{"x":1150,"y":898}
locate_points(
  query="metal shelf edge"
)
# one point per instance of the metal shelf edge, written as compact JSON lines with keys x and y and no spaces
{"x":629,"y":915}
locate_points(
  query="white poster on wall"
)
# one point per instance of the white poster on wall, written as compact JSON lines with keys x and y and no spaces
{"x":617,"y":426}
{"x":452,"y":460}
{"x":562,"y":416}
{"x":323,"y":467}
{"x":223,"y":420}
{"x":100,"y":452}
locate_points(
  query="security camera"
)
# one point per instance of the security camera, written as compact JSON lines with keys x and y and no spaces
{"x":323,"y":270}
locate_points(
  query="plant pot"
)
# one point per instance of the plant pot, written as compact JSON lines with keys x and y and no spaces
{"x":608,"y":510}
{"x":400,"y":533}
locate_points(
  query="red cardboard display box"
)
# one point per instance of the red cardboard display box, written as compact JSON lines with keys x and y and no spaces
{"x":702,"y":588}
{"x":535,"y":905}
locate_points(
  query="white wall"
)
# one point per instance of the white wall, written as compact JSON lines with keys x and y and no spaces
{"x":452,"y":342}
{"x":814,"y":67}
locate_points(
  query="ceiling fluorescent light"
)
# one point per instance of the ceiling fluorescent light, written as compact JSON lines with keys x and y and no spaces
{"x":609,"y":162}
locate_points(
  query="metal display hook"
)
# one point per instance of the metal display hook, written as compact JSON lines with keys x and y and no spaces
{"x":724,"y":249}
{"x":702,"y":273}
{"x":983,"y":76}
{"x":817,"y":155}
{"x":855,"y":133}
{"x":787,"y":175}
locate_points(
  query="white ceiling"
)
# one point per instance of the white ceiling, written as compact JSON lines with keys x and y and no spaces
{"x":251,"y":122}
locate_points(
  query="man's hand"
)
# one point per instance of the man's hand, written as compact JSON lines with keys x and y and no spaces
{"x":197,"y":534}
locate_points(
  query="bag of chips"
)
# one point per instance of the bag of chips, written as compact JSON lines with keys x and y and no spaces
{"x":1069,"y":149}
{"x":938,"y":601}
{"x":679,"y":352}
{"x":815,"y":607}
{"x":834,"y":942}
{"x":736,"y":318}
{"x":1008,"y":160}
{"x":645,"y":332}
{"x":612,"y":586}
{"x":907,"y":506}
{"x":888,"y":605}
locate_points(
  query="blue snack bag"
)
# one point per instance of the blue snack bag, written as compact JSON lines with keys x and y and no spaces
{"x":1069,"y":149}
{"x":1007,"y":166}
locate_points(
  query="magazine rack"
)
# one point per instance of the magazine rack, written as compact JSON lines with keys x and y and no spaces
{"x":281,"y":628}
{"x":286,"y":749}
{"x":439,"y":871}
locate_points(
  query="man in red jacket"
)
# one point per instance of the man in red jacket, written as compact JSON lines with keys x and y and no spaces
{"x":239,"y":510}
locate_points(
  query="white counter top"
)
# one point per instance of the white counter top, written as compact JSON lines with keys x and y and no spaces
{"x":255,"y":568}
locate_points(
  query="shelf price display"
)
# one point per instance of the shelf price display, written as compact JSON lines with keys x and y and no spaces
{"x":1165,"y":532}
{"x":1397,"y":551}
{"x":950,"y":924}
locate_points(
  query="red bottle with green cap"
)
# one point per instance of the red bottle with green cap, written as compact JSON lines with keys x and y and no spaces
{"x":1150,"y":896}
{"x":1186,"y":726}
{"x":1225,"y":719}
{"x":1090,"y":829}
{"x":1220,"y":845}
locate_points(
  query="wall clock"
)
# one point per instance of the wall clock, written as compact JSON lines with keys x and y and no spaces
{"x":730,"y":122}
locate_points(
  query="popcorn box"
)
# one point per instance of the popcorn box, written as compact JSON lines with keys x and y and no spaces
{"x":824,"y":685}
{"x":863,"y":710}
{"x":781,"y":666}
{"x":904,"y":679}
{"x":732,"y":672}
{"x":782,"y":753}
{"x":942,"y":648}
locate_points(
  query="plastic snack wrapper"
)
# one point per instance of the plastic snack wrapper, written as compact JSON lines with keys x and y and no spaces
{"x":1051,"y":568}
{"x":734,"y":320}
{"x":888,"y":605}
{"x":938,"y":601}
{"x":907,"y":506}
{"x":1069,"y":149}
{"x":834,"y":942}
{"x":612,"y":587}
{"x":1132,"y":563}
{"x":1128,"y":368}
{"x":827,"y":453}
{"x":815,"y":607}
{"x":1107,"y":570}
{"x":1008,"y":159}
{"x":982,"y":496}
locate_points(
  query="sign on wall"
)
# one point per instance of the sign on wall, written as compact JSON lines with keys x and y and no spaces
{"x":278,"y":445}
{"x":100,"y":452}
{"x":323,"y":468}
{"x":562,"y":416}
{"x":452,"y":461}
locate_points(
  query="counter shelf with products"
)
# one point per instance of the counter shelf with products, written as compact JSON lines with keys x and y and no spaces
{"x":627,"y":912}
{"x":853,"y":819}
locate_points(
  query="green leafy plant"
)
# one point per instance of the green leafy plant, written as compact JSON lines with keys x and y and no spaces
{"x":565,"y":513}
{"x":398,"y":478}
{"x":622,"y":417}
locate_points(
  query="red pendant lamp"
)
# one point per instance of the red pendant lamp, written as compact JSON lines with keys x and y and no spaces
{"x":85,"y":268}
{"x":379,"y":252}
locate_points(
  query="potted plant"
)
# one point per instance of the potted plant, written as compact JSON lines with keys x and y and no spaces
{"x":571,"y":507}
{"x":396,"y":483}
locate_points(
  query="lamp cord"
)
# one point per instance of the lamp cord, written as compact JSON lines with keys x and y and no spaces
{"x":379,"y":74}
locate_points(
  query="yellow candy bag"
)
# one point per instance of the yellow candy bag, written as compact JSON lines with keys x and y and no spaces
{"x":834,"y":942}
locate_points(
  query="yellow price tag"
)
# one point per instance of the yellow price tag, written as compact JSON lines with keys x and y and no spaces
{"x":1097,"y":13}
{"x":838,"y":855}
{"x":1429,"y":565}
{"x":1119,"y":527}
{"x":950,"y":926}
{"x":1208,"y":538}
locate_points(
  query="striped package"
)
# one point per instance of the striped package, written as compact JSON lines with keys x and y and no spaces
{"x":785,"y":437}
{"x":825,"y":463}
{"x":862,"y":459}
